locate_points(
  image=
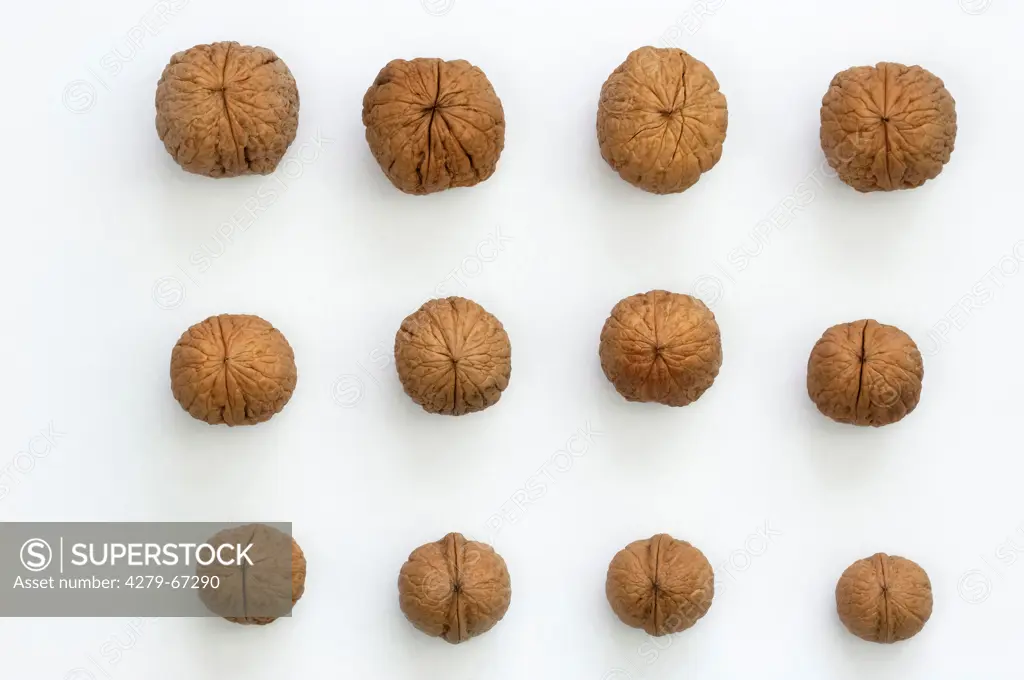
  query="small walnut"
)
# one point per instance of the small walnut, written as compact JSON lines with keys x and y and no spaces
{"x":453,"y":357}
{"x":887,"y":127}
{"x":660,"y":584}
{"x":883,"y":598}
{"x":661,"y":120}
{"x":260,"y":592}
{"x":865,"y":373}
{"x":234,"y":369}
{"x":225,"y":109}
{"x":433,"y":124}
{"x":661,"y":347}
{"x":454,"y":589}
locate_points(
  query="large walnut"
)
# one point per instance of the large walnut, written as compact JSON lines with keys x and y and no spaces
{"x":225,"y":109}
{"x":453,"y":357}
{"x":661,"y":120}
{"x":660,"y":584}
{"x":887,"y":127}
{"x":454,"y":589}
{"x":234,"y":369}
{"x":662,"y":347}
{"x":883,"y":598}
{"x":433,"y":124}
{"x":260,"y":592}
{"x":865,"y":373}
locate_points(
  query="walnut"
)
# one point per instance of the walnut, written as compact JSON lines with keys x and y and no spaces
{"x":887,"y":127}
{"x":260,"y":592}
{"x":453,"y":357}
{"x":883,"y":598}
{"x":660,"y":584}
{"x":433,"y":124}
{"x":661,"y":120}
{"x":454,"y":589}
{"x":865,"y":373}
{"x":234,"y":369}
{"x":225,"y":109}
{"x":660,"y":346}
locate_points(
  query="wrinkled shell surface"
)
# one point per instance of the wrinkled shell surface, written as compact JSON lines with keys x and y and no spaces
{"x":453,"y":357}
{"x":662,"y":347}
{"x":887,"y":127}
{"x":225,"y":109}
{"x":234,"y":369}
{"x":454,"y":589}
{"x":661,"y":120}
{"x":865,"y":373}
{"x":660,"y":584}
{"x":260,"y":593}
{"x":433,"y":124}
{"x":884,"y":598}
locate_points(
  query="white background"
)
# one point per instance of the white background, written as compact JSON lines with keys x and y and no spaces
{"x":106,"y":240}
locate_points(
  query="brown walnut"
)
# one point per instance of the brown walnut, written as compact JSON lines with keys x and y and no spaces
{"x":263,"y":591}
{"x":661,"y":120}
{"x":453,"y":357}
{"x":865,"y":373}
{"x":234,"y":369}
{"x":887,"y":127}
{"x":662,"y":347}
{"x":660,"y":584}
{"x":433,"y":124}
{"x":454,"y":589}
{"x":883,"y":598}
{"x":225,"y":109}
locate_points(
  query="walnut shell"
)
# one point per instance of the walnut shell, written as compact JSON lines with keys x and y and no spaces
{"x":454,"y":589}
{"x":883,"y":598}
{"x":453,"y":357}
{"x":865,"y":373}
{"x":263,"y":591}
{"x":660,"y":346}
{"x":234,"y":369}
{"x":660,"y":584}
{"x":433,"y":124}
{"x":887,"y":127}
{"x":225,"y":109}
{"x":661,"y":120}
